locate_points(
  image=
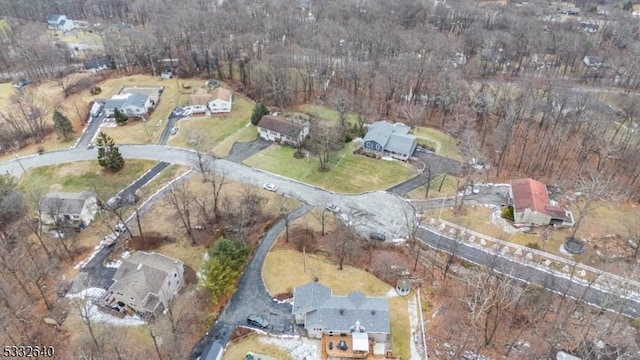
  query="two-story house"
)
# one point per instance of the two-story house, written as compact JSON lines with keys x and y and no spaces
{"x":282,"y":130}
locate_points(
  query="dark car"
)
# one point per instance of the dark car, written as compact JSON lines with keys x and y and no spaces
{"x":377,"y":236}
{"x":258,"y":321}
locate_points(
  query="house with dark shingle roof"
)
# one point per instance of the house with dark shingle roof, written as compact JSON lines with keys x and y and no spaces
{"x":323,"y":313}
{"x":75,"y":209}
{"x":386,"y":139}
{"x":59,"y":22}
{"x":282,"y":130}
{"x":145,"y":282}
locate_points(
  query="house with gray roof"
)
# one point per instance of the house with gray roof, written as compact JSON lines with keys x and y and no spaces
{"x":145,"y":283}
{"x":386,"y":139}
{"x":322,"y":313}
{"x":59,"y":22}
{"x":131,"y":104}
{"x":74,"y":209}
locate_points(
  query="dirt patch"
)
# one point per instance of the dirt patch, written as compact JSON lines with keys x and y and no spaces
{"x":150,"y":241}
{"x":239,"y":333}
{"x":190,"y":277}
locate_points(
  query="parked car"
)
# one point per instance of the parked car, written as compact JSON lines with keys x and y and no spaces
{"x":345,"y":219}
{"x":179,"y":111}
{"x":166,"y":74}
{"x":174,"y":130}
{"x":120,"y":228}
{"x":333,"y":208}
{"x":258,"y":321}
{"x":110,"y":240}
{"x":377,"y":236}
{"x":270,"y":187}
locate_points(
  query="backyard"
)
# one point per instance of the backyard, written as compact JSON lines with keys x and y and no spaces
{"x":441,"y":143}
{"x":283,"y":270}
{"x":349,"y":173}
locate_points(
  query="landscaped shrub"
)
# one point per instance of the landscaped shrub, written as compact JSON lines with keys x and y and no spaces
{"x":533,"y":245}
{"x":507,"y":213}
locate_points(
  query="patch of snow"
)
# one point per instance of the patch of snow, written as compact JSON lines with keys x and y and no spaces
{"x":298,"y":349}
{"x":284,"y":301}
{"x":414,"y":319}
{"x":82,"y":263}
{"x":388,"y":158}
{"x":114,"y":264}
{"x":88,"y":292}
{"x":391,"y":293}
{"x":126,"y":254}
{"x":101,"y":317}
{"x":398,"y":241}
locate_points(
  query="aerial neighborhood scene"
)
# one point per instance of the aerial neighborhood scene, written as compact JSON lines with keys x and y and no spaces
{"x":320,"y":180}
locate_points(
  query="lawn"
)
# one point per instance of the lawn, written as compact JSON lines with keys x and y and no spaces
{"x":215,"y":129}
{"x":147,"y":132}
{"x":448,"y":188}
{"x":245,"y":134}
{"x":349,"y":173}
{"x":326,"y":113}
{"x":83,"y":175}
{"x":443,"y":144}
{"x":252,"y":343}
{"x":283,"y":270}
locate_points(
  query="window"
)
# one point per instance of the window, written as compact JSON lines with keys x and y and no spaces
{"x":175,"y":275}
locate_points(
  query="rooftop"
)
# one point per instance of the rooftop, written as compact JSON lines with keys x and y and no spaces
{"x":281,"y":126}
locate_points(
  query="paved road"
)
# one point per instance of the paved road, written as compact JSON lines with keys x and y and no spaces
{"x":241,"y":151}
{"x":529,"y":273}
{"x":131,"y":190}
{"x":438,"y":164}
{"x":371,"y":210}
{"x":251,"y":297}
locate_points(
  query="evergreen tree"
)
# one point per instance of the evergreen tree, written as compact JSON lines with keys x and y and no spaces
{"x":62,"y":126}
{"x":121,"y":118}
{"x":224,"y":265}
{"x":109,"y":156}
{"x":258,"y":112}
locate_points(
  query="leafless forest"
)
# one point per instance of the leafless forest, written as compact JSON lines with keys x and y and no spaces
{"x":508,"y":80}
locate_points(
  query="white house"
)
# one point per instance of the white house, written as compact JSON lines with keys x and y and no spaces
{"x":221,"y":101}
{"x":145,"y":283}
{"x":282,"y":130}
{"x":75,"y":209}
{"x":59,"y":22}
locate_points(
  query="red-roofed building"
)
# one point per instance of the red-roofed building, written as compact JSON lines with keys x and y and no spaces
{"x":532,"y":206}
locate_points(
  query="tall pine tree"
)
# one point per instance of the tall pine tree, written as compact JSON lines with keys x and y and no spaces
{"x":258,"y":112}
{"x":62,"y":126}
{"x":120,"y":117}
{"x":109,"y":156}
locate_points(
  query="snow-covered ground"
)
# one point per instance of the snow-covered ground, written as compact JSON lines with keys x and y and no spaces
{"x":82,"y":263}
{"x":98,"y":316}
{"x":114,"y":264}
{"x":299,"y":350}
{"x":391,"y":293}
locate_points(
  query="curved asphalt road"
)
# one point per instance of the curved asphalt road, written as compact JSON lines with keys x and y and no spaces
{"x":251,"y":297}
{"x":376,"y":210}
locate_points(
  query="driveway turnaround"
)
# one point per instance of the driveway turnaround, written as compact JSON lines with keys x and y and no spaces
{"x":252,"y":297}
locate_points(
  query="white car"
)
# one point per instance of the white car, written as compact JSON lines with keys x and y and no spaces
{"x":345,"y":219}
{"x":270,"y":187}
{"x":333,"y":208}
